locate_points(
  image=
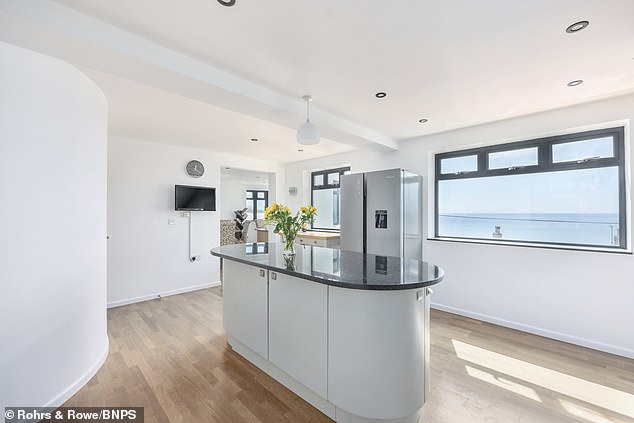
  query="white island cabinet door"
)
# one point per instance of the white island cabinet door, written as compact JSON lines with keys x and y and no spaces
{"x":245,"y":308}
{"x":376,"y":347}
{"x":298,"y":329}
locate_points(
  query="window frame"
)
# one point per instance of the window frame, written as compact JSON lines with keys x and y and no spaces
{"x":254,"y":200}
{"x":545,"y":164}
{"x":326,"y":185}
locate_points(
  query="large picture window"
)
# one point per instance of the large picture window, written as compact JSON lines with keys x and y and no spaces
{"x":325,"y":197}
{"x":565,"y":190}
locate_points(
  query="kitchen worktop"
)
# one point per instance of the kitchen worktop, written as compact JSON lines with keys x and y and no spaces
{"x":319,"y":235}
{"x":341,"y":268}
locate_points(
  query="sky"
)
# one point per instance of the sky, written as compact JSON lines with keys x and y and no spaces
{"x":574,"y":191}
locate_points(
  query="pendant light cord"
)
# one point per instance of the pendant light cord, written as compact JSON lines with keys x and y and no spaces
{"x":307,"y":98}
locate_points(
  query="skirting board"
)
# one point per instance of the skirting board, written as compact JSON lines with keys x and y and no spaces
{"x":153,"y":296}
{"x":612,"y":349}
{"x":71,"y":390}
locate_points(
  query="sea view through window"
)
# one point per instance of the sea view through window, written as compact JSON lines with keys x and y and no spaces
{"x":566,"y":190}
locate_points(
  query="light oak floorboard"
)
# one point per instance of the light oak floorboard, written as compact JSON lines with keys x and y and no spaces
{"x":171,"y":356}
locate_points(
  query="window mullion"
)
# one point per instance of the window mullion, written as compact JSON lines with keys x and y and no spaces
{"x":545,"y":155}
{"x":483,"y":168}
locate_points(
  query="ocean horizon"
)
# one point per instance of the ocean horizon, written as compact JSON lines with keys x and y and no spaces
{"x":601,"y":229}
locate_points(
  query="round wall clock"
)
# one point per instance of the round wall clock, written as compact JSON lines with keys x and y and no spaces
{"x":195,"y":169}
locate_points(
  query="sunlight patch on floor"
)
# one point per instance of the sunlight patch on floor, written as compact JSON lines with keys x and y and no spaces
{"x":509,"y":385}
{"x":584,"y":413}
{"x":581,"y":389}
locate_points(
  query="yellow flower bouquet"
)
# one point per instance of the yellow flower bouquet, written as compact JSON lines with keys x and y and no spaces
{"x":287,"y":224}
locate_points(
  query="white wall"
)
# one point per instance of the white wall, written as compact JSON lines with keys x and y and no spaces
{"x":146,"y":255}
{"x":53,"y":129}
{"x":580,"y":297}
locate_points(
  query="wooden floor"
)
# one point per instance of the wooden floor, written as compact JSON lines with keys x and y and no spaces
{"x":171,"y":357}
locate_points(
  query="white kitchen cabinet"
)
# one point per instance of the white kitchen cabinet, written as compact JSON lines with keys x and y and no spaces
{"x":359,"y":353}
{"x":245,"y":309}
{"x":298,"y":329}
{"x":377,"y":351}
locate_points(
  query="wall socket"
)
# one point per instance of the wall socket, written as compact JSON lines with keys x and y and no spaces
{"x":194,"y":258}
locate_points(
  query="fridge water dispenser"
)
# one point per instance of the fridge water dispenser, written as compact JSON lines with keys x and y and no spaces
{"x":380,"y":219}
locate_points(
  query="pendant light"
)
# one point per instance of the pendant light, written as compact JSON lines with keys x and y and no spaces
{"x":308,"y":133}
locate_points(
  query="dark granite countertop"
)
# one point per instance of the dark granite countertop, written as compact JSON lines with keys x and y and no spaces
{"x":330,"y":266}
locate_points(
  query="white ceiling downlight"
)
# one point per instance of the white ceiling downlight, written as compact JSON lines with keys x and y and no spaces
{"x":575,"y":83}
{"x":254,"y":140}
{"x":227,"y":3}
{"x":577,"y":26}
{"x":308,"y":133}
{"x":423,"y":120}
{"x":380,"y":95}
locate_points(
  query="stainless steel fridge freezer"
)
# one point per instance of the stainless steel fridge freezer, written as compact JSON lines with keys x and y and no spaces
{"x":381,"y":213}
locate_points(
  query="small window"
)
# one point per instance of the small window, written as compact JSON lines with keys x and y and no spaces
{"x":459,"y":165}
{"x":333,"y":178}
{"x":256,"y":202}
{"x":512,"y":159}
{"x":583,"y":151}
{"x":325,"y":197}
{"x":565,"y":191}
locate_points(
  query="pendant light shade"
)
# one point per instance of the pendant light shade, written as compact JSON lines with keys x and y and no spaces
{"x":308,"y":133}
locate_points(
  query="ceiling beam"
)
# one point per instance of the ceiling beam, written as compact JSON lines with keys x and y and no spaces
{"x":57,"y":30}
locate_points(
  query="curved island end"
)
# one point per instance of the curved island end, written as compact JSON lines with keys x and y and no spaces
{"x":346,"y":331}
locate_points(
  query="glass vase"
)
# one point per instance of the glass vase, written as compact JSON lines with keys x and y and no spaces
{"x":289,"y":245}
{"x":289,"y":262}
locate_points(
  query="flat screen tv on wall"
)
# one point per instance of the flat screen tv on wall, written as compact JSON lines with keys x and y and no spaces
{"x":189,"y":198}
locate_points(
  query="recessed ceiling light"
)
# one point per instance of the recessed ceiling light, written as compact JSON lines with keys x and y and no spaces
{"x":227,"y":168}
{"x":227,"y":3}
{"x":257,"y":177}
{"x":254,"y":140}
{"x":300,"y":150}
{"x":575,"y":83}
{"x":423,"y":120}
{"x":380,"y":95}
{"x":577,"y":26}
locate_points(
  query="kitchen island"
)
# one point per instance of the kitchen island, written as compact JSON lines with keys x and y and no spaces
{"x":346,"y":331}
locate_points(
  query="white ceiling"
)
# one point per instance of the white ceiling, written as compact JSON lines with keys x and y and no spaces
{"x":197,"y":73}
{"x":140,"y":111}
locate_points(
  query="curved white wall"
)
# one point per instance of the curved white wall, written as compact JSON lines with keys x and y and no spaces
{"x":53,"y":134}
